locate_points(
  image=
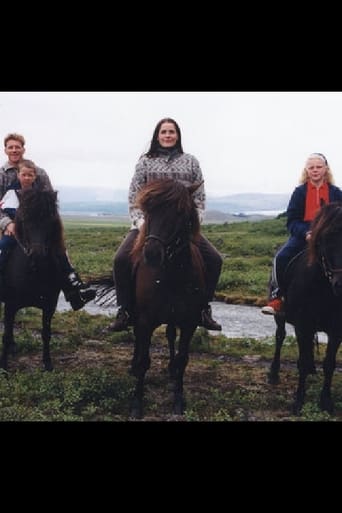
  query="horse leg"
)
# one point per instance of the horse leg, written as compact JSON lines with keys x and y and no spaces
{"x":46,"y":337}
{"x":171,"y":334}
{"x":305,"y":342}
{"x":140,"y":364}
{"x":273,"y":375}
{"x":8,"y":343}
{"x":178,"y":367}
{"x":329,"y":364}
{"x":311,"y":361}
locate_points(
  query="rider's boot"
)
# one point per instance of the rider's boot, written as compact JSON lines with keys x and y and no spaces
{"x":122,"y":320}
{"x":275,"y":303}
{"x":76,"y":292}
{"x":207,"y":321}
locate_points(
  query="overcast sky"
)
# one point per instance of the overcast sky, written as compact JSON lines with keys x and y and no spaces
{"x":244,"y":141}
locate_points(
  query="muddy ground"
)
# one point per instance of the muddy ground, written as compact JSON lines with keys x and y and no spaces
{"x":219,"y":386}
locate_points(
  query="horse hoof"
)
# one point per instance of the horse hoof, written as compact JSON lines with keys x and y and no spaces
{"x":178,"y":410}
{"x":296,"y":409}
{"x":273,"y":379}
{"x":3,"y":369}
{"x":136,"y":413}
{"x":327,"y":405}
{"x":13,"y":348}
{"x":179,"y":406}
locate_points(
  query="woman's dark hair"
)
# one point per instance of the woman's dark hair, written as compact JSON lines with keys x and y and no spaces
{"x":155,"y":146}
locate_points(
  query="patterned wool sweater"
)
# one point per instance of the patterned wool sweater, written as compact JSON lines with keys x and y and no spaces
{"x":181,"y":166}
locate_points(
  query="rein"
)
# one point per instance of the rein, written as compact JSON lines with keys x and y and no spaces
{"x":329,"y":271}
{"x":26,"y":251}
{"x":29,"y":251}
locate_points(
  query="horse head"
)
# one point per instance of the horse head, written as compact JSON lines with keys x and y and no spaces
{"x":38,"y":224}
{"x":325,"y":244}
{"x":171,"y":220}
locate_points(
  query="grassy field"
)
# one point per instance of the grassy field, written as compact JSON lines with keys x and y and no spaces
{"x":225,"y":380}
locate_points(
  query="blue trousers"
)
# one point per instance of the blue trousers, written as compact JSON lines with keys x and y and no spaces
{"x":7,"y":242}
{"x":282,"y":258}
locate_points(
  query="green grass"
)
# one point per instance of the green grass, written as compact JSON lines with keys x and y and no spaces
{"x":225,"y":380}
{"x":247,"y":250}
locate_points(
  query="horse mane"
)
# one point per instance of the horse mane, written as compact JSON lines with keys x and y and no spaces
{"x":168,"y":194}
{"x":40,"y":208}
{"x":327,"y":221}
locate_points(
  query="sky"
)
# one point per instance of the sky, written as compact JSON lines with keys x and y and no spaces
{"x":246,"y":142}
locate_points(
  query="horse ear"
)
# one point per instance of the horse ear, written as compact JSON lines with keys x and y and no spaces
{"x":192,"y":188}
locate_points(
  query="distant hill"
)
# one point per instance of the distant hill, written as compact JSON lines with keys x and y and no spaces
{"x":90,"y":194}
{"x":104,"y":201}
{"x":248,"y":202}
{"x":92,"y":200}
{"x":118,"y":208}
{"x":217,"y":217}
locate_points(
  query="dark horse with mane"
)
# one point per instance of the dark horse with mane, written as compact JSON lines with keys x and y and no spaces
{"x":169,"y":281}
{"x":313,"y":302}
{"x":32,"y":276}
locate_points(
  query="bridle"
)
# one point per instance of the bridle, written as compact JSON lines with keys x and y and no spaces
{"x":29,"y":249}
{"x":173,"y":245}
{"x":329,"y":271}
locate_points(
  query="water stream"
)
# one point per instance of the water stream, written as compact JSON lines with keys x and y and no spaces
{"x":236,"y":320}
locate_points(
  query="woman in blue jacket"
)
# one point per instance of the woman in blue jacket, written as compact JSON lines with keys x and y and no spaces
{"x":315,"y":190}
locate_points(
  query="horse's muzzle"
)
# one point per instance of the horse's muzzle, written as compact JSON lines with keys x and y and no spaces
{"x":154,"y":253}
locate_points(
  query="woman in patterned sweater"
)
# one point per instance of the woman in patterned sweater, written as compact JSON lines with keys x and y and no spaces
{"x":164,"y":159}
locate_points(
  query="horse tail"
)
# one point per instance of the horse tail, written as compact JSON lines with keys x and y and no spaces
{"x":105,"y":289}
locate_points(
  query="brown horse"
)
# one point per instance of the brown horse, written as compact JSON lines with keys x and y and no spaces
{"x":169,"y":281}
{"x":32,"y":274}
{"x":313,"y":302}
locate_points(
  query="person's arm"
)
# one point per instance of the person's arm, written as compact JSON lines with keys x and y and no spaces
{"x":4,"y":219}
{"x":137,"y":182}
{"x":43,"y":181}
{"x":335,"y":193}
{"x":9,"y":201}
{"x":199,"y":195}
{"x":296,"y":225}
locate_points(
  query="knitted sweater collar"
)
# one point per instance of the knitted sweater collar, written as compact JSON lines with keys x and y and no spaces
{"x":170,"y":153}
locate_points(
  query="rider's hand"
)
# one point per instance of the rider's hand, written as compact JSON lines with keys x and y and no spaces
{"x":10,"y":229}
